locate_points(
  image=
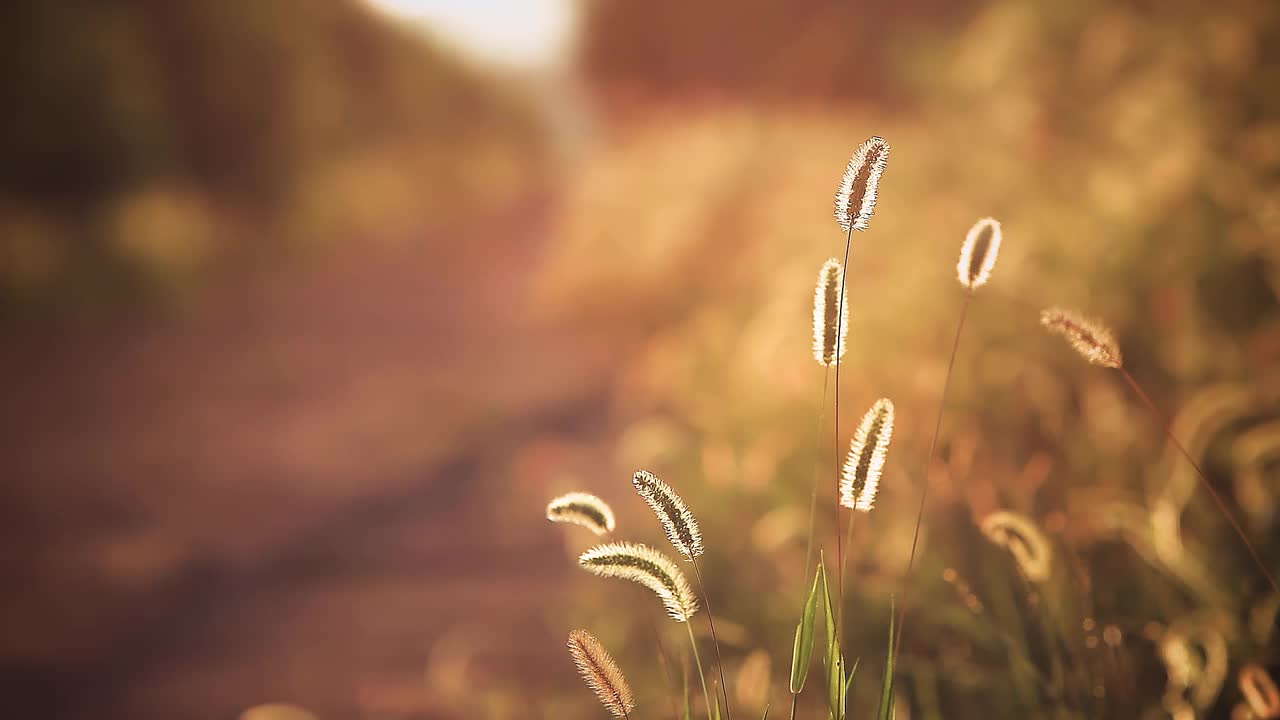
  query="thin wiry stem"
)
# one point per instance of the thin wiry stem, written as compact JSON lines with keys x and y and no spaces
{"x":1222,"y":505}
{"x":848,"y":546}
{"x":714,"y":640}
{"x":848,"y":239}
{"x":795,"y":697}
{"x":706,"y":696}
{"x":813,"y":498}
{"x":924,"y":492}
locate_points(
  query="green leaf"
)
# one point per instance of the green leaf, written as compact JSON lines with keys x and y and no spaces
{"x":886,"y":692}
{"x":715,"y":707}
{"x":834,"y":662}
{"x":802,"y":653}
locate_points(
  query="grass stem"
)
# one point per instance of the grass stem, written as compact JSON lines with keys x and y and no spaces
{"x":1222,"y":505}
{"x":706,"y":696}
{"x":924,"y":492}
{"x":848,"y":546}
{"x":697,"y":573}
{"x":844,"y":276}
{"x":813,"y":498}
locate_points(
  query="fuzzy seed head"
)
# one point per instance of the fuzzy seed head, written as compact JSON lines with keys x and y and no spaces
{"x":1024,"y":541}
{"x":648,"y":567}
{"x":830,"y":314}
{"x":677,"y":520}
{"x":856,"y":195}
{"x":1089,"y":337}
{"x":860,"y":477}
{"x":583,"y":509}
{"x":601,"y":673}
{"x":978,"y":253}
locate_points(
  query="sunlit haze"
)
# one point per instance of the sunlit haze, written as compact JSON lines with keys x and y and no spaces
{"x":520,"y":32}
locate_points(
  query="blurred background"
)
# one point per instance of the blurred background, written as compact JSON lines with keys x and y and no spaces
{"x":307,"y":309}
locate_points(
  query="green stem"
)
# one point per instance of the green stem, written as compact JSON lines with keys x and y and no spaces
{"x":813,"y":497}
{"x":706,"y":696}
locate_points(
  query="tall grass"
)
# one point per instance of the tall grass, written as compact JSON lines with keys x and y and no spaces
{"x":856,"y":483}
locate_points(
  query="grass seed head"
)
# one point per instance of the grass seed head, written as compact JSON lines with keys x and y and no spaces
{"x":978,"y":253}
{"x":830,"y":314}
{"x":601,"y":673}
{"x":648,"y":567}
{"x":1089,"y":337}
{"x":856,"y":195}
{"x":583,"y":509}
{"x":1024,"y":541}
{"x":677,"y":520}
{"x":860,"y":477}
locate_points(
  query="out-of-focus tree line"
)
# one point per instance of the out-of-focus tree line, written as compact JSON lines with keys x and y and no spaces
{"x":147,"y":144}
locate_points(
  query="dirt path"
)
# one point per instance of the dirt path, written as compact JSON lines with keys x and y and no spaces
{"x":274,"y":495}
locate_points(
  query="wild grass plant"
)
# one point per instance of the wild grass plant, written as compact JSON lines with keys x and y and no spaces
{"x":1019,"y":602}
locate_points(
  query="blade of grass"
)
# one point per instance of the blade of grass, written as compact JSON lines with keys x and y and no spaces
{"x":834,"y":662}
{"x":802,"y":653}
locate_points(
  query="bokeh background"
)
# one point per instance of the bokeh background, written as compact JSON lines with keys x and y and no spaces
{"x":307,"y":308}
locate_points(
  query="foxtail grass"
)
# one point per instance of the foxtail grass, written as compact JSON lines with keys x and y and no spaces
{"x":1089,"y":337}
{"x":601,"y":674}
{"x":859,"y":186}
{"x":830,"y":315}
{"x":685,"y":535}
{"x":830,"y":325}
{"x":648,"y":567}
{"x":860,"y":476}
{"x":1023,"y":540}
{"x":855,"y":203}
{"x":677,"y":520}
{"x":660,"y":574}
{"x":579,"y":508}
{"x":978,"y":255}
{"x":1097,"y":344}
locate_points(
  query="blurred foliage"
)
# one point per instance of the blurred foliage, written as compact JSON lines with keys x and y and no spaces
{"x":1132,"y":152}
{"x":767,"y":51}
{"x":150,"y":143}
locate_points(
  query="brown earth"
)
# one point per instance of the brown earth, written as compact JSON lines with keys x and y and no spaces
{"x":273,"y":494}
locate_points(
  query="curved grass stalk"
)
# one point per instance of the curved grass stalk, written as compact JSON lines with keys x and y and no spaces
{"x":1204,"y":481}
